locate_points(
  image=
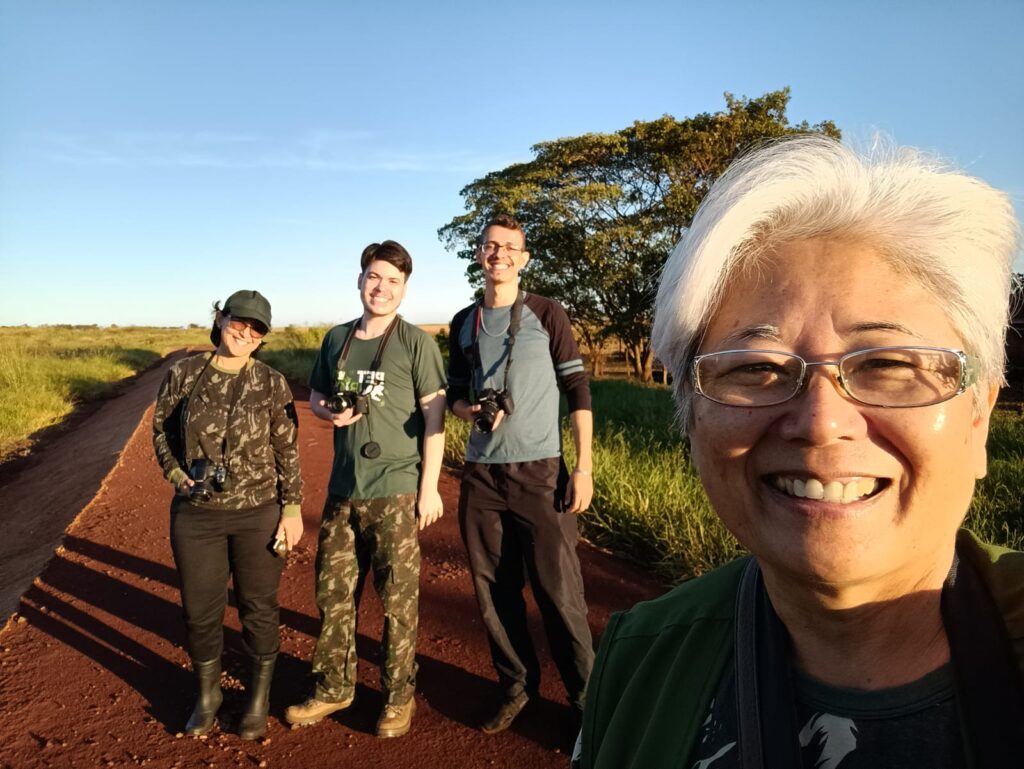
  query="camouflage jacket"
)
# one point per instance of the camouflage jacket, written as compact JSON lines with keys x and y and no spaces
{"x":247,"y":424}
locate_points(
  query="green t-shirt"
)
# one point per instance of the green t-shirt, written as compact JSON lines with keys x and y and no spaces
{"x":410,"y":369}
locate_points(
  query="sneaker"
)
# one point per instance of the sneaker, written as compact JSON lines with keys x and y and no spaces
{"x":313,"y":710}
{"x":506,"y":714}
{"x":396,"y":720}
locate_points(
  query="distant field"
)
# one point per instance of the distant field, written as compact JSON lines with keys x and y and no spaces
{"x":46,"y":370}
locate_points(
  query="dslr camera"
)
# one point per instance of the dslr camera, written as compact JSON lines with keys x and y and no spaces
{"x":490,"y":402}
{"x":207,"y":478}
{"x":345,"y":399}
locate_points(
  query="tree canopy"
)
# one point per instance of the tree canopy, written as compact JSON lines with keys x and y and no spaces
{"x":603,"y":211}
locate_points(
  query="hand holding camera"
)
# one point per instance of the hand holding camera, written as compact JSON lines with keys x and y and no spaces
{"x":348,"y":399}
{"x":206,"y":478}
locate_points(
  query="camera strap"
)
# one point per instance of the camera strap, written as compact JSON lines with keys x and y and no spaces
{"x":236,"y":388}
{"x":988,"y":684}
{"x":371,"y":446}
{"x":515,"y":320}
{"x":183,"y":414}
{"x":385,"y":338}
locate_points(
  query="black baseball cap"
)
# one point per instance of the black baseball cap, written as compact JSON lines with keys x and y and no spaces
{"x":249,"y":304}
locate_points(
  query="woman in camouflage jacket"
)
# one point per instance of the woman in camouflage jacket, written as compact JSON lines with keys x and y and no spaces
{"x":225,"y":434}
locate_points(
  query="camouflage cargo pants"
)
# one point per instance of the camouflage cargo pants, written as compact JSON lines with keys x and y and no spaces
{"x":357,"y":536}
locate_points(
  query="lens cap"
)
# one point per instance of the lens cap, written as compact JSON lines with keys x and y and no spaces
{"x":370,"y":450}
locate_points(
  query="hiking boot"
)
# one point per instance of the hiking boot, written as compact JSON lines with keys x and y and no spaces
{"x":506,"y":714}
{"x":396,"y":720}
{"x":313,"y":710}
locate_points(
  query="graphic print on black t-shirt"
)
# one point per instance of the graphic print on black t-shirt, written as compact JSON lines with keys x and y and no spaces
{"x":911,"y":725}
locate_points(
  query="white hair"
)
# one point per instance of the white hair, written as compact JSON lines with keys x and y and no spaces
{"x":953,"y":233}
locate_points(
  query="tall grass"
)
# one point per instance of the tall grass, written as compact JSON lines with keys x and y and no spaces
{"x":649,"y":503}
{"x":292,"y":350}
{"x":997,"y":511}
{"x":45,"y":371}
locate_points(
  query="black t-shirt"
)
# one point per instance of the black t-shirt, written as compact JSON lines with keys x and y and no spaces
{"x":915,"y":725}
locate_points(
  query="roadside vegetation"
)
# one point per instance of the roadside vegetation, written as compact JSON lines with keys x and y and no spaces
{"x":648,"y":503}
{"x":45,"y":371}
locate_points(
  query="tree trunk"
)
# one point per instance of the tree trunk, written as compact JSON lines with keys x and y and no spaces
{"x":640,"y":362}
{"x":647,"y":367}
{"x":595,"y":359}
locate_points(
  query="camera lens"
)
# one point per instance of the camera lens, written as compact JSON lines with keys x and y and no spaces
{"x":200,"y":492}
{"x":485,"y":417}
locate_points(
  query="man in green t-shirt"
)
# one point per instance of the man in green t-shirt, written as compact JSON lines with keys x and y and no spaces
{"x":380,"y":382}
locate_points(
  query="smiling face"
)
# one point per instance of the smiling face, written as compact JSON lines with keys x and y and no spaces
{"x":236,"y":339}
{"x":381,"y":288}
{"x":894,"y":483}
{"x":503,"y":266}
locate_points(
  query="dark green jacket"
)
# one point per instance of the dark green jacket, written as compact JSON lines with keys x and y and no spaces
{"x":660,"y":663}
{"x":262,"y":432}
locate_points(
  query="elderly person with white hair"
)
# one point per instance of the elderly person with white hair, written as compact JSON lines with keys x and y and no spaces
{"x":835,"y":328}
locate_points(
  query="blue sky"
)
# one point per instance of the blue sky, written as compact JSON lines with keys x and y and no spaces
{"x":157,"y":155}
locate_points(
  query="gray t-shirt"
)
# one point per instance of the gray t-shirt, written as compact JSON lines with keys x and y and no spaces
{"x":545,"y":358}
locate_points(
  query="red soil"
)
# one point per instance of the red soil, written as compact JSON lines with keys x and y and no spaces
{"x":92,"y":666}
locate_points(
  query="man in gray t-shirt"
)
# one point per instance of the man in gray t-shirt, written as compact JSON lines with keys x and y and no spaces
{"x":511,"y":353}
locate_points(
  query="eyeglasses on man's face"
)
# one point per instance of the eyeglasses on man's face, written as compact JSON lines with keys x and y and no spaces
{"x":256,"y":329}
{"x":491,"y":247}
{"x":890,"y":377}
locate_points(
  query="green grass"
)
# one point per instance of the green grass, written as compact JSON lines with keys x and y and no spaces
{"x":45,"y":371}
{"x":292,"y":350}
{"x":997,"y":511}
{"x":648,"y":502}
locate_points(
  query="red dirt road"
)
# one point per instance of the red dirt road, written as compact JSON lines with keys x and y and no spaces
{"x":93,"y":672}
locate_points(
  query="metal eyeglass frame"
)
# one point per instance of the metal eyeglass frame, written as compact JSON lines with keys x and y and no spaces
{"x":968,"y":374}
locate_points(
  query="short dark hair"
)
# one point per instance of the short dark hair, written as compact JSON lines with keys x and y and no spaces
{"x":505,"y":221}
{"x":389,"y":251}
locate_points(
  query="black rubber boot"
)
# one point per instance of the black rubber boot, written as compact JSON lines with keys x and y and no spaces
{"x":204,"y":714}
{"x":254,"y":720}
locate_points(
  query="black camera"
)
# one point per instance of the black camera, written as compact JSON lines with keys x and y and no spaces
{"x":347,"y":399}
{"x":490,"y":402}
{"x":207,"y":478}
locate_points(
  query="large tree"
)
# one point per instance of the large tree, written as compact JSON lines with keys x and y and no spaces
{"x":602,"y":211}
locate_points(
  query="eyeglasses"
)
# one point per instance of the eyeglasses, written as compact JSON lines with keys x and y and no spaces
{"x":890,"y":377}
{"x":491,"y":247}
{"x":256,"y":329}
